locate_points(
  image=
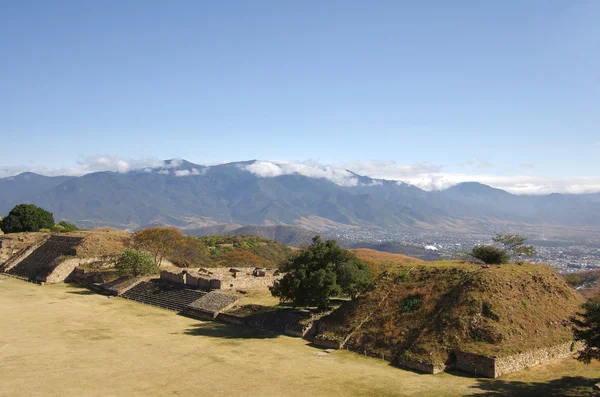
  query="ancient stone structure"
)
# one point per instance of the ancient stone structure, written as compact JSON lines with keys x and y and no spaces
{"x":40,"y":264}
{"x":168,"y":296}
{"x":13,"y":255}
{"x":211,"y":304}
{"x":518,"y":362}
{"x":222,"y":278}
{"x":120,"y":285}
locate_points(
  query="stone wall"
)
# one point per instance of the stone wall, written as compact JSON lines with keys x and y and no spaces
{"x":231,"y":318}
{"x":222,"y":278}
{"x":64,"y":269}
{"x":175,"y":278}
{"x":518,"y":362}
{"x":419,"y":366}
{"x":475,"y":364}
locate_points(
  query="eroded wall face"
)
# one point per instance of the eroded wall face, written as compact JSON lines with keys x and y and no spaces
{"x":518,"y":362}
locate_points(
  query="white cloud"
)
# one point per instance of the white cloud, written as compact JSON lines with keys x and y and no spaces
{"x":85,"y":166}
{"x":517,"y":184}
{"x":427,"y":176}
{"x":391,"y":170}
{"x":270,"y":169}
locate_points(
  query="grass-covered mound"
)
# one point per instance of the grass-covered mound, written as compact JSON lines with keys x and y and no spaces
{"x":243,"y":251}
{"x":424,"y":312}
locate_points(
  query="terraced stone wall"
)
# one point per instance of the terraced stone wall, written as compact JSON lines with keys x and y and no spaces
{"x":41,"y":262}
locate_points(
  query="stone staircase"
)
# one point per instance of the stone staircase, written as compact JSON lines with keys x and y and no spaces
{"x":41,"y":262}
{"x":167,"y":296}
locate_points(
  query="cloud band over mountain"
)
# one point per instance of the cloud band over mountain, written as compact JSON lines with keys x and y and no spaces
{"x":424,"y":175}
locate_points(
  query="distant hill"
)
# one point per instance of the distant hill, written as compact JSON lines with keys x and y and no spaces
{"x":399,"y":248}
{"x":380,"y":261}
{"x":193,"y":196}
{"x":289,"y":235}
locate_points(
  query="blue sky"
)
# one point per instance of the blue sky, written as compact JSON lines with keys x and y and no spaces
{"x":474,"y":89}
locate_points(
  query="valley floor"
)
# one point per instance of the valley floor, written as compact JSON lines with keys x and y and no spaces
{"x":59,"y":340}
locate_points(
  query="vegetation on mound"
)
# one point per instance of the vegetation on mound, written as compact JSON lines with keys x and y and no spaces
{"x":25,"y":218}
{"x":209,"y":251}
{"x":319,"y":272}
{"x":512,"y":246}
{"x":587,"y":329}
{"x":135,"y":263}
{"x":425,"y":312}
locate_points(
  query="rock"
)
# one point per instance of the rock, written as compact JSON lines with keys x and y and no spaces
{"x":596,"y":387}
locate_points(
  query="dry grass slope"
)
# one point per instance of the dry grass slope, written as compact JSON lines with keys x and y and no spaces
{"x":433,"y":309}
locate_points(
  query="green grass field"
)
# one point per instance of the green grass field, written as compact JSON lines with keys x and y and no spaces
{"x":59,"y":340}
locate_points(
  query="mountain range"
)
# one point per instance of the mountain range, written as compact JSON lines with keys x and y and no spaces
{"x":193,"y":196}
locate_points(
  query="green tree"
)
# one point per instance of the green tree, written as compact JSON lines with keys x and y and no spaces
{"x":57,"y":229}
{"x":135,"y":263}
{"x":489,"y":254}
{"x":319,"y":272}
{"x":586,"y":328}
{"x":515,"y":245}
{"x":27,"y":218}
{"x":69,"y":227}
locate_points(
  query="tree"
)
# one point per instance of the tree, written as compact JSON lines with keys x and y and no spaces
{"x":515,"y":245}
{"x":69,"y":227}
{"x":160,"y":241}
{"x":489,"y":254}
{"x":135,"y":263}
{"x":320,"y":271}
{"x":191,"y":252}
{"x":27,"y":218}
{"x":586,"y":328}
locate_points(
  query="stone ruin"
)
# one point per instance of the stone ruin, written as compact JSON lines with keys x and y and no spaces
{"x":51,"y":261}
{"x":223,"y":278}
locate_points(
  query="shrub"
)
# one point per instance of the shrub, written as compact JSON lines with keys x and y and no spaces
{"x":586,"y":328}
{"x":69,"y":227}
{"x":573,"y":279}
{"x":411,"y":304}
{"x":57,"y":229}
{"x":490,"y":255}
{"x":27,"y":218}
{"x":135,"y":263}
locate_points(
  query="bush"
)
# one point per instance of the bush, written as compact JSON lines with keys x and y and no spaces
{"x":135,"y":263}
{"x":411,"y":304}
{"x":68,"y":227}
{"x":57,"y":229}
{"x":573,"y":279}
{"x":490,"y":255}
{"x":27,"y":218}
{"x":586,"y":328}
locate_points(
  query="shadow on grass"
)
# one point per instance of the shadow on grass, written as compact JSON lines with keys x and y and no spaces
{"x":567,"y":386}
{"x":82,"y":292}
{"x":229,"y":331}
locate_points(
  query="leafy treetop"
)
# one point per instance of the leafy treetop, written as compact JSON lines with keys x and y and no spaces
{"x":320,"y":271}
{"x":27,"y":218}
{"x":515,"y":245}
{"x":586,"y":328}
